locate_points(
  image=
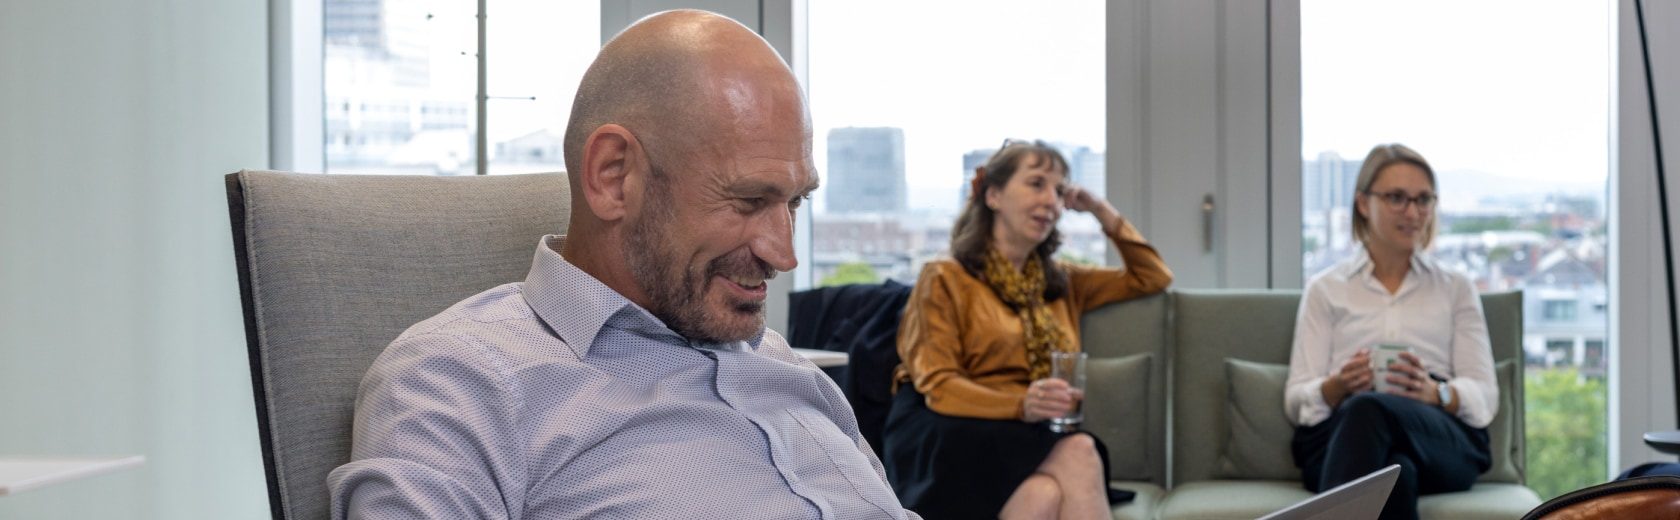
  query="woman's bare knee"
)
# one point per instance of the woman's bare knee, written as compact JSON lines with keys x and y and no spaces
{"x":1078,"y":444}
{"x":1074,"y":451}
{"x":1040,"y":496}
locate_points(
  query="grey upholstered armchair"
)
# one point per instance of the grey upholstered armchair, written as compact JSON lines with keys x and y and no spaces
{"x":332,"y":268}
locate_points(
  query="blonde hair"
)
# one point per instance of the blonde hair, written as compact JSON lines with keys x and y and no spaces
{"x":1382,"y":156}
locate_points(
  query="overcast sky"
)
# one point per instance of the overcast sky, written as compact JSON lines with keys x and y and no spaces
{"x":1511,"y":88}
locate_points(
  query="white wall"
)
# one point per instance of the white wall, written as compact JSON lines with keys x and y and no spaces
{"x":1643,"y":397}
{"x":120,"y":328}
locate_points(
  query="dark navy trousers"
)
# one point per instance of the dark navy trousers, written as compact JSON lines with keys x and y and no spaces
{"x":1437,"y":453}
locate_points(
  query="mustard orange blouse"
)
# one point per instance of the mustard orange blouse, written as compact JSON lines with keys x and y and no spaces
{"x":962,"y":347}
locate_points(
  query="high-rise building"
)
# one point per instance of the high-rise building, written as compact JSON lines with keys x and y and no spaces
{"x":866,"y":170}
{"x":382,"y":112}
{"x":1327,"y":182}
{"x":971,"y":160}
{"x":1086,"y":168}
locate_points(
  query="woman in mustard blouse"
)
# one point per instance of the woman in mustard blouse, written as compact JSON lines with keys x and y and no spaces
{"x":965,"y":437}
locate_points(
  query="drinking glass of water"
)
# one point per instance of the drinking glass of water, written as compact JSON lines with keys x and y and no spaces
{"x":1069,"y":367}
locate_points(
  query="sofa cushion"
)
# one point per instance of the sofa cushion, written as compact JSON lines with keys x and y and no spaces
{"x":1257,"y":443}
{"x":1501,"y":432}
{"x":1119,"y":387}
{"x":1230,"y":499}
{"x":1483,"y":501}
{"x":1141,"y":507}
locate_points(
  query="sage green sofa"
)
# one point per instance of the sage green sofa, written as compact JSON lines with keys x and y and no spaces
{"x":1161,"y":396}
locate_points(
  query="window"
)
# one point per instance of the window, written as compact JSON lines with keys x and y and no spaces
{"x":538,"y":52}
{"x":1558,"y":310}
{"x":400,"y":80}
{"x":1560,"y":352}
{"x":897,"y":139}
{"x":1511,"y":106}
{"x":1592,"y":359}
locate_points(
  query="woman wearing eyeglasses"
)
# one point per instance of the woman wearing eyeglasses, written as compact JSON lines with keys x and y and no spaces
{"x":1428,"y":410}
{"x":966,"y":436}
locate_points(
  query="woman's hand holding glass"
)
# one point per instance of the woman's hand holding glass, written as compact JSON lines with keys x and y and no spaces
{"x":1047,"y":398}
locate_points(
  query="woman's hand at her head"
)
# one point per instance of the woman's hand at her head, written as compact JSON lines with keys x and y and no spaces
{"x":1047,"y":398}
{"x":1076,"y":198}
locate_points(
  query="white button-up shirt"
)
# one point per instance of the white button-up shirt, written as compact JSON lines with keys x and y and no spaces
{"x":1436,"y":312}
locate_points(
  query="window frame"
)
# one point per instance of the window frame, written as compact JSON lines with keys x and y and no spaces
{"x":1641,"y":391}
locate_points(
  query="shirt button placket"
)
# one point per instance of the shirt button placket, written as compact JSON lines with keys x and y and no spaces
{"x":1390,"y":332}
{"x":721,"y":378}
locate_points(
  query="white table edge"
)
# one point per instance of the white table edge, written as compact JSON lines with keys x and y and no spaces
{"x":824,"y":358}
{"x":90,"y":468}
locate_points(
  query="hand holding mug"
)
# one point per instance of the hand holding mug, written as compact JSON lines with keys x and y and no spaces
{"x":1408,"y":378}
{"x":1356,"y":375}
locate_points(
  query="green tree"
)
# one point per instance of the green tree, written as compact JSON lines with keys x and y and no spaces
{"x":1480,"y":224}
{"x":850,"y":273}
{"x":1566,"y":431}
{"x":1074,"y":259}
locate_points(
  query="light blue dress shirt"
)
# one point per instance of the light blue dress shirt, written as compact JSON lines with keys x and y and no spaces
{"x":559,"y":398}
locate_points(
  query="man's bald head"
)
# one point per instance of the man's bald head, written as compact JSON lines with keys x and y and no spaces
{"x":675,"y":79}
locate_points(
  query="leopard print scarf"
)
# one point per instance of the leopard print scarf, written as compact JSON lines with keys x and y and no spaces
{"x":1024,"y":291}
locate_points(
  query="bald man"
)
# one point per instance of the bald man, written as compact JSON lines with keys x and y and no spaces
{"x":630,"y":375}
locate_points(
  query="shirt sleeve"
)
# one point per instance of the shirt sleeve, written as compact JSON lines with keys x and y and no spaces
{"x":930,"y":346}
{"x":1309,"y":358}
{"x":435,"y":437}
{"x":1144,"y":274}
{"x":1472,"y":358}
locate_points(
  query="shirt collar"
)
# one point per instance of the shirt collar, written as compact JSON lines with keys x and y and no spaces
{"x":576,"y":305}
{"x":1361,"y":263}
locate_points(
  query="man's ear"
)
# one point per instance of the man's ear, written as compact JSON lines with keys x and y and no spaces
{"x":611,"y":156}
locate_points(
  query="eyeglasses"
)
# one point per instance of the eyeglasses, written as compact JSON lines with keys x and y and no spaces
{"x":1013,"y":141}
{"x":1397,"y":200}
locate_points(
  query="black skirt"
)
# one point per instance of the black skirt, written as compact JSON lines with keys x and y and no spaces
{"x":962,"y":468}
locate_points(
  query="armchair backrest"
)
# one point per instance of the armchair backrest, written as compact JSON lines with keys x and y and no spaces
{"x":334,"y":267}
{"x":1209,"y":326}
{"x":1133,"y":426}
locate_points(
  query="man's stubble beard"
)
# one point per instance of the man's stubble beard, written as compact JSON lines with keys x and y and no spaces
{"x":674,"y":294}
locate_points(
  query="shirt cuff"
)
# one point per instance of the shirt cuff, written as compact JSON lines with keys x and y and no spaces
{"x":1313,"y":409}
{"x":1471,"y":403}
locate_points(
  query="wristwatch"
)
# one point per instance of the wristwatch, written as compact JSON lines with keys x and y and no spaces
{"x":1445,"y":392}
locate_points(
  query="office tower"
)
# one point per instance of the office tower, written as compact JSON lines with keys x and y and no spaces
{"x":866,"y":170}
{"x":1086,"y":168}
{"x":971,"y":160}
{"x":382,"y":111}
{"x":1327,"y":182}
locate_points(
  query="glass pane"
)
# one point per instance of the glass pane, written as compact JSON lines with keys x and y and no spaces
{"x":908,"y":97}
{"x":1511,"y":105}
{"x":538,"y":52}
{"x":398,"y":80}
